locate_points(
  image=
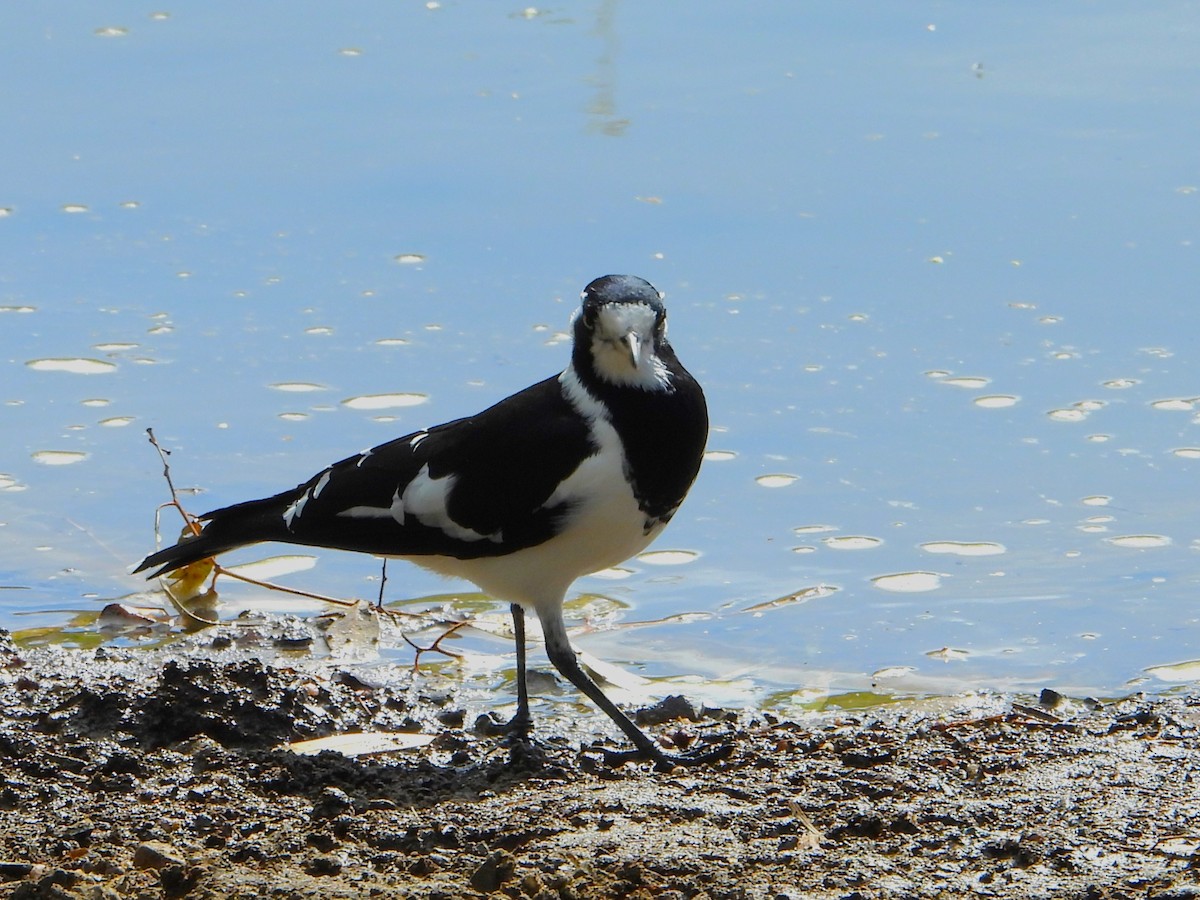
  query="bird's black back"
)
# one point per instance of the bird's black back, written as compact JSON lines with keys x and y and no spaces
{"x":505,"y":464}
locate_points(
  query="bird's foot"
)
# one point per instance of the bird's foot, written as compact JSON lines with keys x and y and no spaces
{"x":525,"y":753}
{"x":518,"y":727}
{"x":665,"y":762}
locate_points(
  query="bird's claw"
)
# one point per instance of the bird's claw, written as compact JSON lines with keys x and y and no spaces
{"x":516,"y":728}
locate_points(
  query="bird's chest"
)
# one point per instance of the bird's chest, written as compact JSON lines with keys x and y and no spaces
{"x":603,"y":523}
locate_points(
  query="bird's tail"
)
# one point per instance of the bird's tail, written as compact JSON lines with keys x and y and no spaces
{"x":224,"y":529}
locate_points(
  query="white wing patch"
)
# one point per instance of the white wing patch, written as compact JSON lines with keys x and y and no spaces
{"x":324,"y":480}
{"x":366,"y":512}
{"x":296,"y":507}
{"x":395,"y":511}
{"x":605,"y":527}
{"x":428,"y":498}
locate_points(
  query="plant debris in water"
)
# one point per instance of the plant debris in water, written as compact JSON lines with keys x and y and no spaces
{"x":168,"y":773}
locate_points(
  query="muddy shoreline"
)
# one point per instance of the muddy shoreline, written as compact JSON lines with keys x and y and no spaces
{"x":160,"y":773}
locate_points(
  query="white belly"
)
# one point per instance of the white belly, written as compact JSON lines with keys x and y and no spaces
{"x":605,"y":528}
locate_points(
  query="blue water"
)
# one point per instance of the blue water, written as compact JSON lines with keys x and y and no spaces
{"x":849,"y":207}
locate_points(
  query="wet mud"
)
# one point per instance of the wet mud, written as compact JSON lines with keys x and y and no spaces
{"x":174,"y":773}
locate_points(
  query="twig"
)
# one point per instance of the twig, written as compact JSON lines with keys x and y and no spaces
{"x":382,"y":582}
{"x":181,"y":605}
{"x":1032,"y":712}
{"x":191,"y":521}
{"x":230,"y":573}
{"x":969,"y":723}
{"x":812,"y":834}
{"x":436,"y":646}
{"x":1175,"y":836}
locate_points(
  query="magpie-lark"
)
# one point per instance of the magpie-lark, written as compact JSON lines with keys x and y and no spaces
{"x":569,"y":476}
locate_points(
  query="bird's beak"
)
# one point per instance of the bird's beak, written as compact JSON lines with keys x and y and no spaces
{"x":632,"y":342}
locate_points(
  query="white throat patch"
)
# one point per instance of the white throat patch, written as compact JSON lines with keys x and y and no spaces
{"x":623,"y":348}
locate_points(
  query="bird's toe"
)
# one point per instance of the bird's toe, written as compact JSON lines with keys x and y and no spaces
{"x":665,"y":762}
{"x":519,"y":726}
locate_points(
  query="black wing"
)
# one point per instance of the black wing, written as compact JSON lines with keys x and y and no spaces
{"x":485,"y":482}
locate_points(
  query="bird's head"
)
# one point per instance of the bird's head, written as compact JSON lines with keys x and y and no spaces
{"x":622,"y":327}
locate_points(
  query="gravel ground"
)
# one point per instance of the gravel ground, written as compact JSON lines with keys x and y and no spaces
{"x":158,"y":773}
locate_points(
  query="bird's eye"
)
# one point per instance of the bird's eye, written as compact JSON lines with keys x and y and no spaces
{"x":589,"y":316}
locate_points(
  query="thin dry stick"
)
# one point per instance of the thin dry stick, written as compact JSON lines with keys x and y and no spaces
{"x":435,"y":647}
{"x":969,"y":723}
{"x":230,"y":573}
{"x":193,"y":522}
{"x":382,"y":582}
{"x":812,"y":835}
{"x":181,"y":606}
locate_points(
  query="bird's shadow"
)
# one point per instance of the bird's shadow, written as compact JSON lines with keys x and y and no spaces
{"x":242,"y":715}
{"x":406,"y":781}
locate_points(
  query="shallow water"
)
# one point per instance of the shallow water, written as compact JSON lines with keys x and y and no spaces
{"x":934,"y":266}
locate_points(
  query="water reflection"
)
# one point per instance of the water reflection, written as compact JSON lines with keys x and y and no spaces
{"x":900,"y":373}
{"x":298,"y":387}
{"x":385,"y":401}
{"x":602,"y":110}
{"x":58,"y":457}
{"x":851,"y":542}
{"x":908,"y":582}
{"x":75,"y":366}
{"x":965,"y":548}
{"x":778,"y":480}
{"x":668,"y":557}
{"x":1140,"y":541}
{"x":997,"y":401}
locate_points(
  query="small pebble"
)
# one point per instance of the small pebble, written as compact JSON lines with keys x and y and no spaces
{"x":331,"y":802}
{"x":494,"y":871}
{"x":156,"y":855}
{"x":668,"y":709}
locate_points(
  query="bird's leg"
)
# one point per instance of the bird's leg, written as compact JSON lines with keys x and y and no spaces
{"x":559,"y":649}
{"x":519,"y":726}
{"x":522,"y":721}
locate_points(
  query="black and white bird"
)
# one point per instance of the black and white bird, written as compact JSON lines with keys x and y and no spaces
{"x":567,"y":477}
